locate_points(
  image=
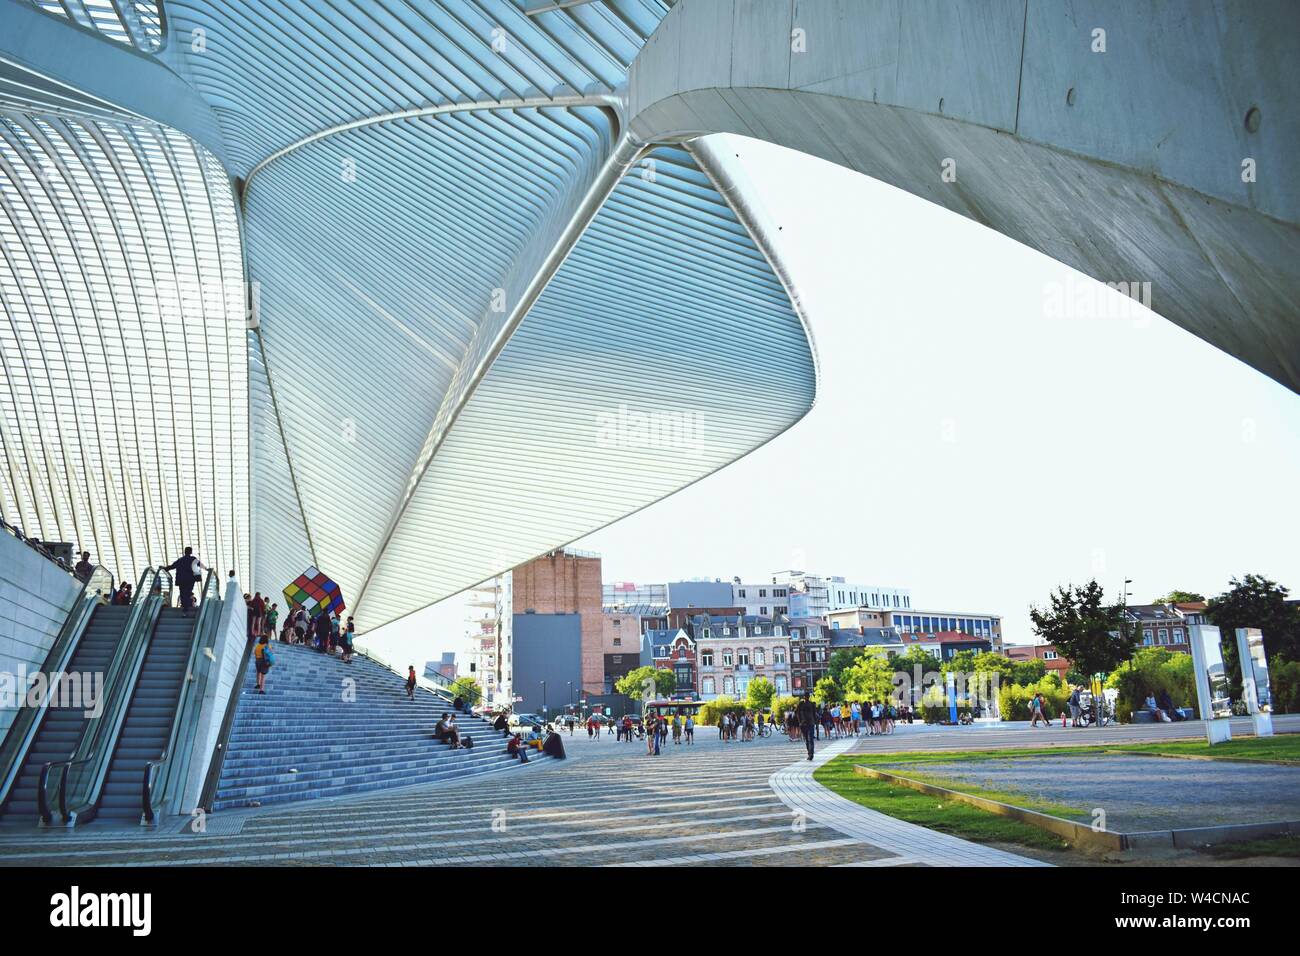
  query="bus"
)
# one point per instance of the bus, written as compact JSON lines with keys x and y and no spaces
{"x":668,"y":708}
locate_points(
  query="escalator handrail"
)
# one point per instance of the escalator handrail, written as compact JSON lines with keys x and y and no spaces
{"x":209,"y":795}
{"x":18,"y":741}
{"x":194,"y":681}
{"x":95,"y":746}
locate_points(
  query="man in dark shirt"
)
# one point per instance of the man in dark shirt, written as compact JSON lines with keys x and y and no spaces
{"x":84,"y":568}
{"x":806,"y":714}
{"x":187,"y":568}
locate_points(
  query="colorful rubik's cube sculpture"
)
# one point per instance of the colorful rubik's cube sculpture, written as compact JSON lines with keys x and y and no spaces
{"x":316,"y":593}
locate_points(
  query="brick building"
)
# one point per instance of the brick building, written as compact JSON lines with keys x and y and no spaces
{"x":567,"y":582}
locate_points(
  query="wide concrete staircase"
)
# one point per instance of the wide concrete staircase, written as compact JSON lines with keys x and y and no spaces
{"x":304,"y":738}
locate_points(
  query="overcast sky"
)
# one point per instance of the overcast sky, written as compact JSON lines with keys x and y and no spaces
{"x":976,"y":446}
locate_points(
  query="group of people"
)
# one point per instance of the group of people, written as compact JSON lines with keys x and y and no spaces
{"x":325,"y":632}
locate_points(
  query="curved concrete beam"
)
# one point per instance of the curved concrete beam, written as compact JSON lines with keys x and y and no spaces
{"x":1122,"y":154}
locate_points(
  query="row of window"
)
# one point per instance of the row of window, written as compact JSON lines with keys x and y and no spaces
{"x":762,"y":592}
{"x":742,"y":656}
{"x":756,"y":631}
{"x":739,"y":686}
{"x":856,"y":600}
{"x":1161,"y":636}
{"x":908,"y":623}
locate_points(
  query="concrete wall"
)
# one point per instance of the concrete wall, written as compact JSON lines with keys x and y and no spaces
{"x":1125,"y":164}
{"x":548,"y":647}
{"x":699,"y":594}
{"x":227,"y":648}
{"x":561,"y":583}
{"x":35,"y":598}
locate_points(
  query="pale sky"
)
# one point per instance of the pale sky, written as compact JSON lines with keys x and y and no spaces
{"x":969,"y":442}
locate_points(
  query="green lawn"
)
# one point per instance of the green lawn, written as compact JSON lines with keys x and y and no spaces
{"x":980,"y":826}
{"x":1282,"y":749}
{"x":959,"y":819}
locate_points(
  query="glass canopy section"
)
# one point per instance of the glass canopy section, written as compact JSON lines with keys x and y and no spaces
{"x":137,"y":23}
{"x":484,"y":320}
{"x":123,"y":367}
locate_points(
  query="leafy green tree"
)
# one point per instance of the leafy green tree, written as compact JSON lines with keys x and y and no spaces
{"x":827,"y":691}
{"x":841,"y":660}
{"x":468,"y":688}
{"x":870,"y":678}
{"x":1179,"y":597}
{"x":1025,"y":673}
{"x":760,"y":695}
{"x":634,"y":683}
{"x":1255,"y":601}
{"x":1091,"y":633}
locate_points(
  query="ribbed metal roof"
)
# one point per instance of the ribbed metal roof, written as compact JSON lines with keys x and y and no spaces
{"x":487,"y":322}
{"x":123,"y":380}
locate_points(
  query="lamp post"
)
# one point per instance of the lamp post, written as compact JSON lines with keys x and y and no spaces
{"x":543,"y":683}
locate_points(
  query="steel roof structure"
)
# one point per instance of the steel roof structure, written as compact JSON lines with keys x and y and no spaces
{"x":388,"y":288}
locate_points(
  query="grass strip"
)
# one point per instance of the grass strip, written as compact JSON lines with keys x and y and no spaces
{"x":958,"y":819}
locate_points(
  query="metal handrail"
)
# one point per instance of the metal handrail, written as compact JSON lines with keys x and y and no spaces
{"x":198,"y":670}
{"x":97,"y":739}
{"x":420,"y":680}
{"x":17,"y":742}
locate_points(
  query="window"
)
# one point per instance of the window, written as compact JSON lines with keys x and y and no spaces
{"x":726,"y":657}
{"x":706,"y":657}
{"x":778,"y":655}
{"x":779,"y":592}
{"x":780,"y":609}
{"x":1049,"y":655}
{"x":740,"y":593}
{"x":706,"y":685}
{"x":742,"y":657}
{"x":618,"y":641}
{"x":776,"y":630}
{"x":1164,"y":635}
{"x":1178,"y":635}
{"x":794,"y":654}
{"x":759,"y":657}
{"x":762,"y":609}
{"x":1146,"y":636}
{"x":728,"y":685}
{"x":762,"y":592}
{"x":780,"y":683}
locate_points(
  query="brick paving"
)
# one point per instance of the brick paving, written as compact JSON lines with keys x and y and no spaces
{"x":608,"y":805}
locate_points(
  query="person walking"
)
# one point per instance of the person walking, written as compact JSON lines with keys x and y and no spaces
{"x":806,"y":716}
{"x":187,"y":569}
{"x":1036,"y":712}
{"x":263,"y":660}
{"x":690,"y":729}
{"x":410,"y":682}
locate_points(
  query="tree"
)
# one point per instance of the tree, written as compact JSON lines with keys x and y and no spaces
{"x":841,"y":660}
{"x":870,"y":678}
{"x":827,"y":691}
{"x":1091,"y":633}
{"x":1025,"y":673}
{"x":646,"y":680}
{"x":468,"y":688}
{"x":761,"y":693}
{"x":1255,"y":601}
{"x":1179,"y":597}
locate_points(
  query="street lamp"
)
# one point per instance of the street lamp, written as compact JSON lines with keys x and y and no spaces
{"x":543,"y":683}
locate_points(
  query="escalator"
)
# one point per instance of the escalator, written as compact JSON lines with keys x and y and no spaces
{"x":149,"y":717}
{"x":61,"y":728}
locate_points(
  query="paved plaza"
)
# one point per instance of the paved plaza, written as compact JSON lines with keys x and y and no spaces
{"x":610,"y":804}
